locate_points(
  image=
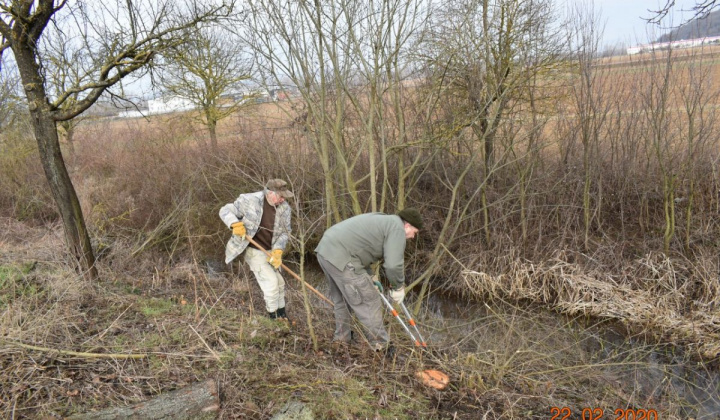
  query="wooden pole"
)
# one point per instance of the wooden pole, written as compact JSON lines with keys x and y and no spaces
{"x":252,"y":241}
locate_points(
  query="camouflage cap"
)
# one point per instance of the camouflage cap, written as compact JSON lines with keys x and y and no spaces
{"x":279,"y":187}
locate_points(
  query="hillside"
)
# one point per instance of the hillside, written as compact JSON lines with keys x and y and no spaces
{"x":696,"y":28}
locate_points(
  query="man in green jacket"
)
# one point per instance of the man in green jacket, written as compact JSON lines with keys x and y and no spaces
{"x":346,"y":252}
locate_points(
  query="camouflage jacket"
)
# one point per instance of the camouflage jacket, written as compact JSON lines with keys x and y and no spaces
{"x":248,"y":209}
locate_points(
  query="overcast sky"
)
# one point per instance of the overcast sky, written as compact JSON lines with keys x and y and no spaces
{"x":624,"y":19}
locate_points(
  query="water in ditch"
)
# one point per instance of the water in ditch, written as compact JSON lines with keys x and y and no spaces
{"x":584,"y":365}
{"x":578,"y":364}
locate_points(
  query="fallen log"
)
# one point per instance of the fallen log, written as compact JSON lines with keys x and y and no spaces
{"x":198,"y":401}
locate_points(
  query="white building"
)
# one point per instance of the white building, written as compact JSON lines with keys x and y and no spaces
{"x":169,"y":104}
{"x":683,"y":43}
{"x":131,"y":113}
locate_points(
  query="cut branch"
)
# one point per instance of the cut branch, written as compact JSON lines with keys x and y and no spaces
{"x":78,"y":354}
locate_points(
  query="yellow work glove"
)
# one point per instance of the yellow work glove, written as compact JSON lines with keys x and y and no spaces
{"x":238,"y":229}
{"x":275,"y":258}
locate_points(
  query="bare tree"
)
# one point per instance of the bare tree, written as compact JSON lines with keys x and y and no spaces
{"x":10,"y":101}
{"x":481,"y":56}
{"x":700,"y":9}
{"x":346,"y":58}
{"x":481,"y":50}
{"x":697,"y":98}
{"x":290,"y":41}
{"x":119,"y":37}
{"x":381,"y":42}
{"x":662,"y":132}
{"x":208,"y":70}
{"x":591,"y":108}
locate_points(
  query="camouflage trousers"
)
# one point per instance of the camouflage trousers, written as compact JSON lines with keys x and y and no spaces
{"x":271,"y":282}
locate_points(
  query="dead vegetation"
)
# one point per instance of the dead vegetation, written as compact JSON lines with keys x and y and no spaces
{"x":68,"y":347}
{"x":672,"y":300}
{"x":150,"y":193}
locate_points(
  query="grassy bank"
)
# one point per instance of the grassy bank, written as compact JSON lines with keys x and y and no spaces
{"x":602,"y":225}
{"x":505,"y":361}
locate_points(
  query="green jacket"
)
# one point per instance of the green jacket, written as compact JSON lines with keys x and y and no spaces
{"x":365,"y":239}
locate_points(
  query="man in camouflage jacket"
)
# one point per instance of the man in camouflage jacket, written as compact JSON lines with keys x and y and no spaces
{"x":265,"y":217}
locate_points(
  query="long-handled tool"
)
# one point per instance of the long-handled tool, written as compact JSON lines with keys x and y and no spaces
{"x":411,"y":321}
{"x":421,"y":342}
{"x":397,"y":316}
{"x":430,"y":377}
{"x":252,"y":241}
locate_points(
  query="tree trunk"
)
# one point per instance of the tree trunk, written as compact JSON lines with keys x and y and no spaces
{"x":46,"y":135}
{"x":212,"y":127}
{"x":64,"y":193}
{"x":198,"y":401}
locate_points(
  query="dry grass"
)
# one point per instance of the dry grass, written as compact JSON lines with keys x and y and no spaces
{"x":150,"y":191}
{"x":220,"y":332}
{"x":672,"y":301}
{"x":505,"y":362}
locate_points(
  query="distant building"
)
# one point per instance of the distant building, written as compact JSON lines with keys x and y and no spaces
{"x":672,"y":45}
{"x":168,"y":104}
{"x":130,"y":113}
{"x":281,"y":92}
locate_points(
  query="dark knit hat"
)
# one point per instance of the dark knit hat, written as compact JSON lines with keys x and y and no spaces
{"x":412,"y":216}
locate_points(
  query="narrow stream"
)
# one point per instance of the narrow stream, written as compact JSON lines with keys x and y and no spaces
{"x":574,"y":362}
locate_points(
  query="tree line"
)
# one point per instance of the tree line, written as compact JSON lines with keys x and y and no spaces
{"x":473,"y":110}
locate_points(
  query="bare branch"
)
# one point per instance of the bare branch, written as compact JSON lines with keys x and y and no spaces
{"x":661,"y":13}
{"x":5,"y":31}
{"x":3,"y":46}
{"x":4,"y":39}
{"x":701,"y":10}
{"x":133,"y":56}
{"x":97,"y":88}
